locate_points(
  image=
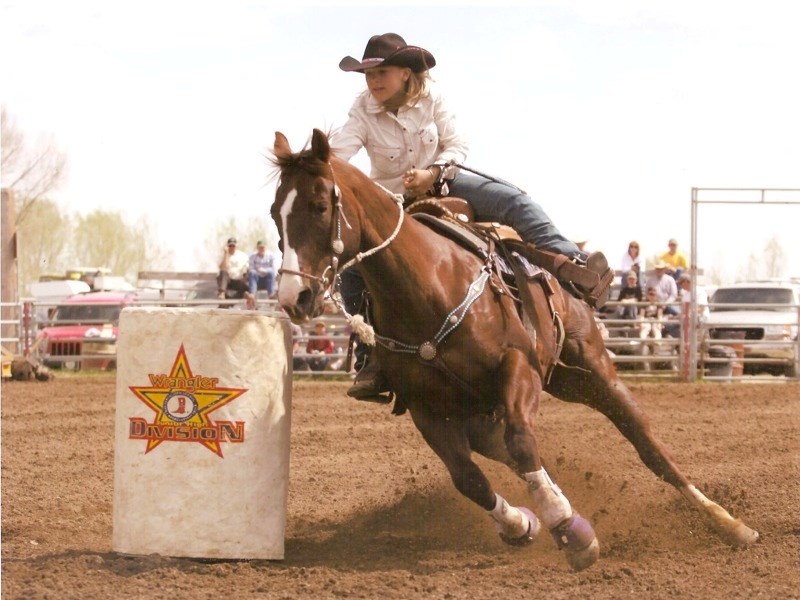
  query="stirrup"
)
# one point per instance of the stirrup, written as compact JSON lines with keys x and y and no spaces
{"x":370,"y":384}
{"x":592,"y":277}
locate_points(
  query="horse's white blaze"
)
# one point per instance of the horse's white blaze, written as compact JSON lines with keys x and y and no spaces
{"x":290,"y":285}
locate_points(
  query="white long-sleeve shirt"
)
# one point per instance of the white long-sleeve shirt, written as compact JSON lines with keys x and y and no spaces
{"x":415,"y":138}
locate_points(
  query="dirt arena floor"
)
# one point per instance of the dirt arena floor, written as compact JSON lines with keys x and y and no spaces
{"x":372,"y":512}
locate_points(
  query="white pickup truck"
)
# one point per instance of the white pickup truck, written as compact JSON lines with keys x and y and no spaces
{"x":763,"y":318}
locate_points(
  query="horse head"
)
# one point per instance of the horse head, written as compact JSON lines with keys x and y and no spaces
{"x":315,"y":236}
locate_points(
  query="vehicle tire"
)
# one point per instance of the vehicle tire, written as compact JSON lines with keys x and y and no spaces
{"x":791,"y":371}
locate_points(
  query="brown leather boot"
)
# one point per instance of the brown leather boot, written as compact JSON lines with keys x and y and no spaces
{"x":370,"y":383}
{"x":592,"y":276}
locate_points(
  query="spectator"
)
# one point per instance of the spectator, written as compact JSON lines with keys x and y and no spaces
{"x":299,"y":363}
{"x":632,"y":261}
{"x":232,"y":271}
{"x":629,"y":294}
{"x":652,"y":315}
{"x":261,"y":273}
{"x":665,"y":287}
{"x":319,"y":345}
{"x":676,"y":260}
{"x":685,"y":287}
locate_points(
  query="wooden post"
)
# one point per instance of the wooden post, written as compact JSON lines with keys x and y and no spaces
{"x":9,"y":294}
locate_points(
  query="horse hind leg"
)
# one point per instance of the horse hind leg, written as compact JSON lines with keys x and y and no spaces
{"x":597,"y":385}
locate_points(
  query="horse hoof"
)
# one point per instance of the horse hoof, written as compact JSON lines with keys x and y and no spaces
{"x":576,"y":538}
{"x":533,"y":530}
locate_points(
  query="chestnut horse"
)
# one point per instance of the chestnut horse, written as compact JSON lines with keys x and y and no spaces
{"x":476,"y":386}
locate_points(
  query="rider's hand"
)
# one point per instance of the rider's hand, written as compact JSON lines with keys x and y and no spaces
{"x":418,"y":181}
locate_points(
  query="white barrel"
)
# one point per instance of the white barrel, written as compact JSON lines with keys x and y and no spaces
{"x":203,"y":408}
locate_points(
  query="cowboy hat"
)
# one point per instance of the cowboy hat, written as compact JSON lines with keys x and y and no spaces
{"x":389,"y":49}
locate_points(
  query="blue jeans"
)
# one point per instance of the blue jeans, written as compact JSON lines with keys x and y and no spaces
{"x":501,"y":202}
{"x":261,"y":282}
{"x":352,"y":289}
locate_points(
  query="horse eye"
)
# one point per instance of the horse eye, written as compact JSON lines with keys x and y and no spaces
{"x":280,"y":245}
{"x":319,"y":207}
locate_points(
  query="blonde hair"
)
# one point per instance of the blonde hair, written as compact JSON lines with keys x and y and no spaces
{"x":416,"y":88}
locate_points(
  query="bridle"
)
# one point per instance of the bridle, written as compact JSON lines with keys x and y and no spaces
{"x":337,"y":245}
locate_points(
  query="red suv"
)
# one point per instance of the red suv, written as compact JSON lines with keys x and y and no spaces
{"x":82,"y":331}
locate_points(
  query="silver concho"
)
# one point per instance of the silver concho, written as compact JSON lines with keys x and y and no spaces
{"x":338,"y":246}
{"x":427,"y":351}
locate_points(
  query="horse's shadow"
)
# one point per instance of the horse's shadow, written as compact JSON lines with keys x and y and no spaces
{"x":418,"y":528}
{"x":415,"y":533}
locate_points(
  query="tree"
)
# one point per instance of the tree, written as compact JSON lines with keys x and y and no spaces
{"x":104,"y":239}
{"x":44,"y":239}
{"x":774,"y":258}
{"x":32,"y":171}
{"x":768,"y":264}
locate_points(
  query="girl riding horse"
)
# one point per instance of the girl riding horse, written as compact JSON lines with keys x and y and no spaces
{"x":410,"y":136}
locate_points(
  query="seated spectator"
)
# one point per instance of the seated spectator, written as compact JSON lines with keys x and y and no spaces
{"x":665,"y":287}
{"x":319,"y":344}
{"x":629,"y":293}
{"x":231,"y":282}
{"x":685,"y":287}
{"x":675,"y":260}
{"x":632,"y":261}
{"x":652,"y":314}
{"x":299,"y":363}
{"x":261,"y":273}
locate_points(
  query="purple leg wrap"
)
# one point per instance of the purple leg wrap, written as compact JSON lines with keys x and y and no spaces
{"x":574,"y":534}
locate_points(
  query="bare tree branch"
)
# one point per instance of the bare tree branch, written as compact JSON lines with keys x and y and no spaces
{"x":31,"y":171}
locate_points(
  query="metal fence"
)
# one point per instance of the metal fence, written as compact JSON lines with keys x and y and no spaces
{"x":637,"y":355}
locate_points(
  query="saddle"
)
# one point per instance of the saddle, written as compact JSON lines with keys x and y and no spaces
{"x":454,"y":218}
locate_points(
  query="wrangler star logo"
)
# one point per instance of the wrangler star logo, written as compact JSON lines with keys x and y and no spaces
{"x":182,"y":402}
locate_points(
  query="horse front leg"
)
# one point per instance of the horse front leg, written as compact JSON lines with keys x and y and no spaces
{"x":596,"y":384}
{"x":521,"y":387}
{"x":449,"y":439}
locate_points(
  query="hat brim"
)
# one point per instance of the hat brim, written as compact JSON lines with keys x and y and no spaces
{"x":415,"y":58}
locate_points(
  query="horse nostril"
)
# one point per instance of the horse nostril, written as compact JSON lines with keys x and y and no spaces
{"x":305,"y":299}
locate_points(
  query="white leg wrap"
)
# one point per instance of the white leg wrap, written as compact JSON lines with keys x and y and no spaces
{"x":550,"y":504}
{"x":509,"y":519}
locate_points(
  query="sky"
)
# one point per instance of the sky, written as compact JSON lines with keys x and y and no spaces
{"x":606,"y":113}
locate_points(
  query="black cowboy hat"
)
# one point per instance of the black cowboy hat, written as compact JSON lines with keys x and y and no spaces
{"x":390,"y":49}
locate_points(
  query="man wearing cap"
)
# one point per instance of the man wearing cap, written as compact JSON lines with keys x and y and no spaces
{"x":261,"y":274}
{"x":675,"y":260}
{"x":232,"y":271}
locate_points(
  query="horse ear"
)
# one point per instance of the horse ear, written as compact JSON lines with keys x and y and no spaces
{"x":319,"y":146}
{"x":281,"y":146}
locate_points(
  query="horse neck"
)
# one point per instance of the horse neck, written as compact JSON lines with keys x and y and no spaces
{"x":400,"y":277}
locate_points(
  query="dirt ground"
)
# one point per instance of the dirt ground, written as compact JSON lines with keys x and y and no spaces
{"x":372,"y":512}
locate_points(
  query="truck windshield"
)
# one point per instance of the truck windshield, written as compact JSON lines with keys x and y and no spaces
{"x":87,"y":313}
{"x":755,"y":296}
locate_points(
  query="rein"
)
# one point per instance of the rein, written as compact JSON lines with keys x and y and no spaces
{"x":337,"y":245}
